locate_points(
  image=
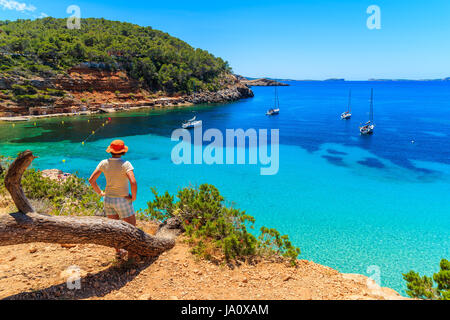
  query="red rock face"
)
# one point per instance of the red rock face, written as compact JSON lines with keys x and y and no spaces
{"x":86,"y":79}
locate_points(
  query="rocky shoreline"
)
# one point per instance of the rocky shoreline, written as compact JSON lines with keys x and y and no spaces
{"x":233,"y":93}
{"x":84,"y":91}
{"x":263,"y":82}
{"x":227,"y":95}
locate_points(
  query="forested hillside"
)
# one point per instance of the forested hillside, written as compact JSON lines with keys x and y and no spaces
{"x":45,"y":47}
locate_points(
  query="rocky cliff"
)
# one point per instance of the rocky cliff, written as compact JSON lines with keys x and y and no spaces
{"x":235,"y":89}
{"x":91,"y":89}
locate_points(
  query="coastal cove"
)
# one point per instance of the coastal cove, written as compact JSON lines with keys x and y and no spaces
{"x":349,"y":202}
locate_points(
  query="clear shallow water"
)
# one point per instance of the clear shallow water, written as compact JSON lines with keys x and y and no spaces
{"x":348,"y":201}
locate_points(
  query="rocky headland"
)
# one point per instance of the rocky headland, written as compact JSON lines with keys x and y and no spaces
{"x":263,"y":82}
{"x":84,"y":89}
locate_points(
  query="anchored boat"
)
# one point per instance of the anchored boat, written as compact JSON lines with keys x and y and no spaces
{"x":276,"y":109}
{"x":190,"y":124}
{"x":273,"y":112}
{"x":348,"y":114}
{"x":369,"y":126}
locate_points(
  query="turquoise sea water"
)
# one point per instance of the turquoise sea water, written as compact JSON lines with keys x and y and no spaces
{"x":349,"y":202}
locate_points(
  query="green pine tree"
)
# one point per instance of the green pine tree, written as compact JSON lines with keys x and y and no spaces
{"x":422,"y":287}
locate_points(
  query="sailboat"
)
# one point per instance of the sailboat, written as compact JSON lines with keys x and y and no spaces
{"x":369,"y":126}
{"x":348,"y":114}
{"x":276,"y":109}
{"x":192,"y":123}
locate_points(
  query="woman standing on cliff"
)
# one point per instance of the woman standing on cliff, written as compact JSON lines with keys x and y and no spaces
{"x":118,"y":204}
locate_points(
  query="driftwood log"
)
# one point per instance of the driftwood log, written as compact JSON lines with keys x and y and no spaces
{"x":28,"y":226}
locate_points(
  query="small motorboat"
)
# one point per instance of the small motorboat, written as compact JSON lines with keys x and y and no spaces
{"x":273,"y":112}
{"x":190,"y":124}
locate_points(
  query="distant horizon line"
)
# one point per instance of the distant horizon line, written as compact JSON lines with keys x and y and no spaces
{"x":445,"y":79}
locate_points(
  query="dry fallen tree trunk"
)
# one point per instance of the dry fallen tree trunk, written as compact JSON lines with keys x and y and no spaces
{"x":28,"y":226}
{"x":13,"y":178}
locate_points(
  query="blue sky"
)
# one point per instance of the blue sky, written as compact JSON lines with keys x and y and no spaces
{"x":302,"y":39}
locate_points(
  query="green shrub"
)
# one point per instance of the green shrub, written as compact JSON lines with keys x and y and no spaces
{"x":422,"y":287}
{"x":56,"y":92}
{"x":72,"y":196}
{"x":20,"y":90}
{"x":3,"y":167}
{"x":33,"y":98}
{"x":271,"y":241}
{"x":214,"y":229}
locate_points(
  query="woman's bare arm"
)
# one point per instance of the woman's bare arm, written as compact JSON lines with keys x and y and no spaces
{"x":133,"y":184}
{"x":93,"y":182}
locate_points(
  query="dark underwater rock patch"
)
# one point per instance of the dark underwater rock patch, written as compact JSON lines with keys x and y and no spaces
{"x":332,"y":151}
{"x":337,"y":161}
{"x":372,"y":163}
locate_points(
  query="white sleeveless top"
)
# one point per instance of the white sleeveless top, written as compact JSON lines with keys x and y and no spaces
{"x":115,"y":171}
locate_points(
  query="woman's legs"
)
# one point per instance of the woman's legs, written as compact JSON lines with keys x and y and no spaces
{"x":131,"y":220}
{"x":122,"y":208}
{"x":115,"y":217}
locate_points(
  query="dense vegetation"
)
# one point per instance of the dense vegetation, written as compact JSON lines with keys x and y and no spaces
{"x":29,"y":95}
{"x":218,"y":232}
{"x":71,"y":196}
{"x":159,"y":61}
{"x":422,"y":287}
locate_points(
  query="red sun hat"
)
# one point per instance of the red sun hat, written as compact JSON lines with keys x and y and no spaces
{"x":117,"y":146}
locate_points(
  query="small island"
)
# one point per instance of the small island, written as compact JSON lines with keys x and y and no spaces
{"x":262,"y":82}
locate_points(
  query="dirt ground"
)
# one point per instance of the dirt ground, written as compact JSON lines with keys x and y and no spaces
{"x":49,"y":271}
